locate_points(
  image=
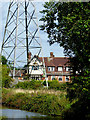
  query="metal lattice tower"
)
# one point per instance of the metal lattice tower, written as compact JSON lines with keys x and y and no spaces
{"x":21,"y":34}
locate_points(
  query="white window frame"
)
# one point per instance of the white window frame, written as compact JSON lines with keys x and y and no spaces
{"x":35,"y":67}
{"x":60,"y":77}
{"x":53,"y":76}
{"x":51,"y":68}
{"x":67,"y":69}
{"x":60,"y":68}
{"x":66,"y":78}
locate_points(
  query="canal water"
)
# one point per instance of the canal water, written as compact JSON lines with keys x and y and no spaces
{"x":16,"y":113}
{"x":12,"y":114}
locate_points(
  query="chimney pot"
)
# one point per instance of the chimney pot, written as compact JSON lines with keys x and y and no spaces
{"x":51,"y":54}
{"x":29,"y":55}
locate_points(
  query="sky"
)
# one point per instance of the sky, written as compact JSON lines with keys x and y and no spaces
{"x":46,"y":48}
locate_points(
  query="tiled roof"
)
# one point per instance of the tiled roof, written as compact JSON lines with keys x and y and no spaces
{"x":55,"y":62}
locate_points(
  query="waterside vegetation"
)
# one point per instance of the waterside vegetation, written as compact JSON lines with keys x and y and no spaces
{"x":48,"y":103}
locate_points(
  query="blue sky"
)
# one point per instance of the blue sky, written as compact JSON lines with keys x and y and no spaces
{"x":55,"y":48}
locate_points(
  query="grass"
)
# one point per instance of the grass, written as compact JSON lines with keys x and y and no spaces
{"x":40,"y":91}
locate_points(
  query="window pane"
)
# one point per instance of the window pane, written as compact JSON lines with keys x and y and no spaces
{"x":48,"y":68}
{"x":59,"y":68}
{"x":35,"y":67}
{"x":67,"y":68}
{"x":60,"y":78}
{"x":67,"y":78}
{"x":53,"y":77}
{"x":52,"y":68}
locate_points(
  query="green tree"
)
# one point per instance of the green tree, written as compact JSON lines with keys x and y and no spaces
{"x":67,"y":24}
{"x":4,"y":60}
{"x":6,"y":79}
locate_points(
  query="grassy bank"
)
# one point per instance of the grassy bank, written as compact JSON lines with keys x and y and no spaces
{"x":50,"y":102}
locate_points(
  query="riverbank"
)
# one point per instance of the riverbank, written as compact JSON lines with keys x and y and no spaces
{"x":51,"y":102}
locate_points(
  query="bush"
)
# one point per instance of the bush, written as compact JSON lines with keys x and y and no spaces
{"x":6,"y":79}
{"x":54,"y":84}
{"x":33,"y":84}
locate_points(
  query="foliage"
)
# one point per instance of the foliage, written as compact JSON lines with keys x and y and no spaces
{"x":67,"y":23}
{"x":4,"y":60}
{"x":3,"y":118}
{"x":43,"y":103}
{"x":33,"y":84}
{"x":6,"y":79}
{"x":54,"y":84}
{"x":0,"y":74}
{"x":79,"y":88}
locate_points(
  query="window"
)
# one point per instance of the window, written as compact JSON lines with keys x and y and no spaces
{"x":67,"y":78}
{"x":51,"y":68}
{"x":67,"y":68}
{"x":35,"y":67}
{"x":60,"y":78}
{"x":35,"y":78}
{"x":60,"y":68}
{"x":53,"y":77}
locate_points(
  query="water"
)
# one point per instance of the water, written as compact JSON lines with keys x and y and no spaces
{"x":15,"y":113}
{"x":12,"y":114}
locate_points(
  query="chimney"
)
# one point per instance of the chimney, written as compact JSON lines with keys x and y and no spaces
{"x":29,"y":55}
{"x":51,"y":54}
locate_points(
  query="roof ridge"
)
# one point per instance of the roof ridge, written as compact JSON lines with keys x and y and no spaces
{"x":53,"y":57}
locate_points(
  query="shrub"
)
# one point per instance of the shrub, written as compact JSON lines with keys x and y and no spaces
{"x":6,"y":79}
{"x":54,"y":84}
{"x":33,"y":84}
{"x":38,"y":84}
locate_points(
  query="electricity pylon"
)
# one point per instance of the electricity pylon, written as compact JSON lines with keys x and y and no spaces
{"x":21,"y":34}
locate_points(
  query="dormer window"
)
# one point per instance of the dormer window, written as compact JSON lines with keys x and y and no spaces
{"x":35,"y":67}
{"x":67,"y":69}
{"x":51,"y":68}
{"x":60,"y":68}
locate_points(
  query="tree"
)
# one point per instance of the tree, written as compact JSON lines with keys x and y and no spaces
{"x":6,"y":79}
{"x":4,"y":60}
{"x":67,"y":24}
